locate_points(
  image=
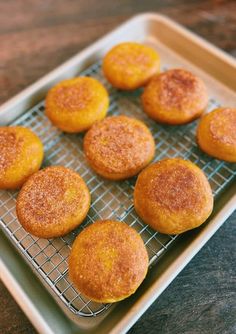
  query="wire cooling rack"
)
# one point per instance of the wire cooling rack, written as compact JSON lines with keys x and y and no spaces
{"x":110,"y":200}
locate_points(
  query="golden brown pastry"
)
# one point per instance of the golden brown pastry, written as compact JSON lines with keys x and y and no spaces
{"x":108,"y":261}
{"x":175,"y":97}
{"x":119,"y":147}
{"x":130,"y":65}
{"x":21,"y":154}
{"x":216,"y":134}
{"x":173,"y":196}
{"x":74,"y":105}
{"x":53,"y":202}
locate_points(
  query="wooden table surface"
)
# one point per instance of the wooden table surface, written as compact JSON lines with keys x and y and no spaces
{"x":35,"y":37}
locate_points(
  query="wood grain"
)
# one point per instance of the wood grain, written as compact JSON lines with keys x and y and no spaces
{"x":35,"y":37}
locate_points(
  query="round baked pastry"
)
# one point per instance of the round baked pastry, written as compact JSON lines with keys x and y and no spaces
{"x":216,"y":134}
{"x":74,"y":105}
{"x":130,"y":65}
{"x":52,"y":202}
{"x":119,"y":147}
{"x":108,"y":261}
{"x":21,"y":154}
{"x":175,"y":97}
{"x":173,"y":196}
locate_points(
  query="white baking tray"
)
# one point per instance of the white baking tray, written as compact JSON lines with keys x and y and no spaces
{"x":168,"y":255}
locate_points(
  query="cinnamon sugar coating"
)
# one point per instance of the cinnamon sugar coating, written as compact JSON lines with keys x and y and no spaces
{"x":53,"y":202}
{"x":216,"y":134}
{"x":130,"y":65}
{"x":73,"y":105}
{"x":173,"y":196}
{"x":175,"y":97}
{"x":108,"y":261}
{"x":119,"y":147}
{"x":21,"y":154}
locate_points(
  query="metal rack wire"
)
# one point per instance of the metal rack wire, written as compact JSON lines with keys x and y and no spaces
{"x":109,"y":199}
